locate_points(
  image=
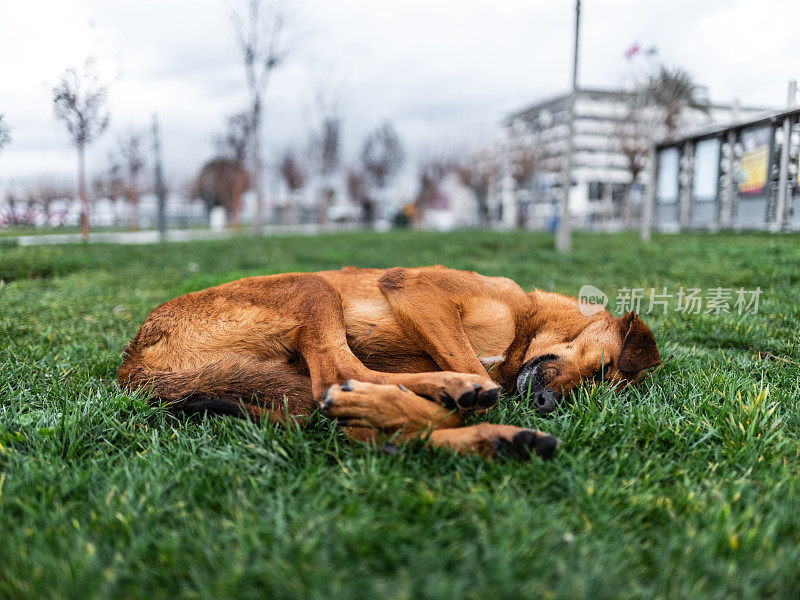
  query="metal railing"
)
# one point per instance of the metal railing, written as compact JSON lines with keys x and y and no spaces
{"x":740,"y":176}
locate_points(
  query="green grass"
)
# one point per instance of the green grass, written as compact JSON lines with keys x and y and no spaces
{"x":688,"y":487}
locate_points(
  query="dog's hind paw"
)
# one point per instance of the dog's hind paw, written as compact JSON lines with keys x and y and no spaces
{"x":526,"y":443}
{"x":477,"y":398}
{"x":501,"y":441}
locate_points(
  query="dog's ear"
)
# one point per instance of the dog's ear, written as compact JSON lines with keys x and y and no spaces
{"x":639,"y":349}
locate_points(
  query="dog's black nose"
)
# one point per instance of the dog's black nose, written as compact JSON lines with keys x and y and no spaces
{"x":544,"y":401}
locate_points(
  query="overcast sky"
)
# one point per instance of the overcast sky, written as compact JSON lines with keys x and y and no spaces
{"x":444,"y":71}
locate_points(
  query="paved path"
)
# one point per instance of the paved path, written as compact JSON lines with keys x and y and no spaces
{"x":151,"y":237}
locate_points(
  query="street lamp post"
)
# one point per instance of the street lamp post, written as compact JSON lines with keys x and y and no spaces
{"x":563,"y":236}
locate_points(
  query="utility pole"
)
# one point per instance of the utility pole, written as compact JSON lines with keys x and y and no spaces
{"x":160,"y":191}
{"x":563,"y":236}
{"x":645,"y":228}
{"x":783,"y":188}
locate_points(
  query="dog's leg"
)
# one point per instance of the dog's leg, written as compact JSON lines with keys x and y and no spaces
{"x":236,"y":385}
{"x":360,"y":406}
{"x":322,"y":342}
{"x":490,"y":440}
{"x":440,"y":332}
{"x":388,"y":408}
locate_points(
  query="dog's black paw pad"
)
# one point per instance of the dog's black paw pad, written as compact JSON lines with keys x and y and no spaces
{"x":488,"y":398}
{"x":547,"y":445}
{"x":543,"y":445}
{"x":467,"y":399}
{"x":505,"y":449}
{"x":447,"y":402}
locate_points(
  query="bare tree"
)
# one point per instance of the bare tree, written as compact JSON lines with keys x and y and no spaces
{"x":292,"y":172}
{"x":258,"y":27}
{"x":31,"y":205}
{"x":233,"y":145}
{"x":325,"y":149}
{"x":382,"y":156}
{"x":633,"y":135}
{"x":114,"y":178}
{"x":110,"y":183}
{"x":524,"y":163}
{"x":478,"y":177}
{"x":359,"y":195}
{"x":5,"y":135}
{"x":430,"y":173}
{"x":295,"y":176}
{"x":45,"y":192}
{"x":326,"y":146}
{"x":14,"y":202}
{"x":216,"y":184}
{"x":133,"y":160}
{"x":79,"y":102}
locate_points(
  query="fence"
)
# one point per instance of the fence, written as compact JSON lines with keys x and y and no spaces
{"x":742,"y":176}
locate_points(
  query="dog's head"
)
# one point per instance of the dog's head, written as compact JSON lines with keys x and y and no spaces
{"x":569,"y":348}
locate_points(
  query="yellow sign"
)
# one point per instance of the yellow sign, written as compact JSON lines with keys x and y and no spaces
{"x":754,"y":170}
{"x":755,"y":160}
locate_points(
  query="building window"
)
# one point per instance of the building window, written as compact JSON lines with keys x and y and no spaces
{"x":595,"y":190}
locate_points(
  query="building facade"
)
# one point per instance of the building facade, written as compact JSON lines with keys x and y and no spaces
{"x":604,"y":126}
{"x":742,"y":175}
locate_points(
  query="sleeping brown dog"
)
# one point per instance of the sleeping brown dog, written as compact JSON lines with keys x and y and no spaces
{"x":401,"y":351}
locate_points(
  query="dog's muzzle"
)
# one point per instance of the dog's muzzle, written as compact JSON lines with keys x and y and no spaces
{"x":531,"y":379}
{"x":544,"y":401}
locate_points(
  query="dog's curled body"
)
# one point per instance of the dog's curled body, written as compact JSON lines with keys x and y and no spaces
{"x":409,"y":342}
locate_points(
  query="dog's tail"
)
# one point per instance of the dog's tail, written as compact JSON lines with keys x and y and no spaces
{"x":225,"y":385}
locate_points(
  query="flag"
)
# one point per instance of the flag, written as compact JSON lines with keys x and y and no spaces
{"x":631,"y":51}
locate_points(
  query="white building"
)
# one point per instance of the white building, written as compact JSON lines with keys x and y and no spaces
{"x":600,"y":173}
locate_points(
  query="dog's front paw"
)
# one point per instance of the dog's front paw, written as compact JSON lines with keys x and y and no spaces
{"x":389,"y":408}
{"x":477,"y":398}
{"x":461,"y":391}
{"x":360,"y":404}
{"x":340,"y":404}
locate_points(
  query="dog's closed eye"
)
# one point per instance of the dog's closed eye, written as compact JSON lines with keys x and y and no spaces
{"x":602,"y":373}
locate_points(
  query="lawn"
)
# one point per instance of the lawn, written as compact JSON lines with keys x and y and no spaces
{"x":687,"y":487}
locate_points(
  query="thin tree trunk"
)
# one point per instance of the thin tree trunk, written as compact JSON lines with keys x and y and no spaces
{"x":237,"y":191}
{"x":324,"y":197}
{"x":627,"y":209}
{"x":483,"y":209}
{"x":133,"y":202}
{"x":82,"y":193}
{"x":257,"y":167}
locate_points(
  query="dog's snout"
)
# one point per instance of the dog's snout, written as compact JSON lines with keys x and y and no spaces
{"x":525,"y":383}
{"x":544,"y":401}
{"x":548,"y":374}
{"x":537,"y":373}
